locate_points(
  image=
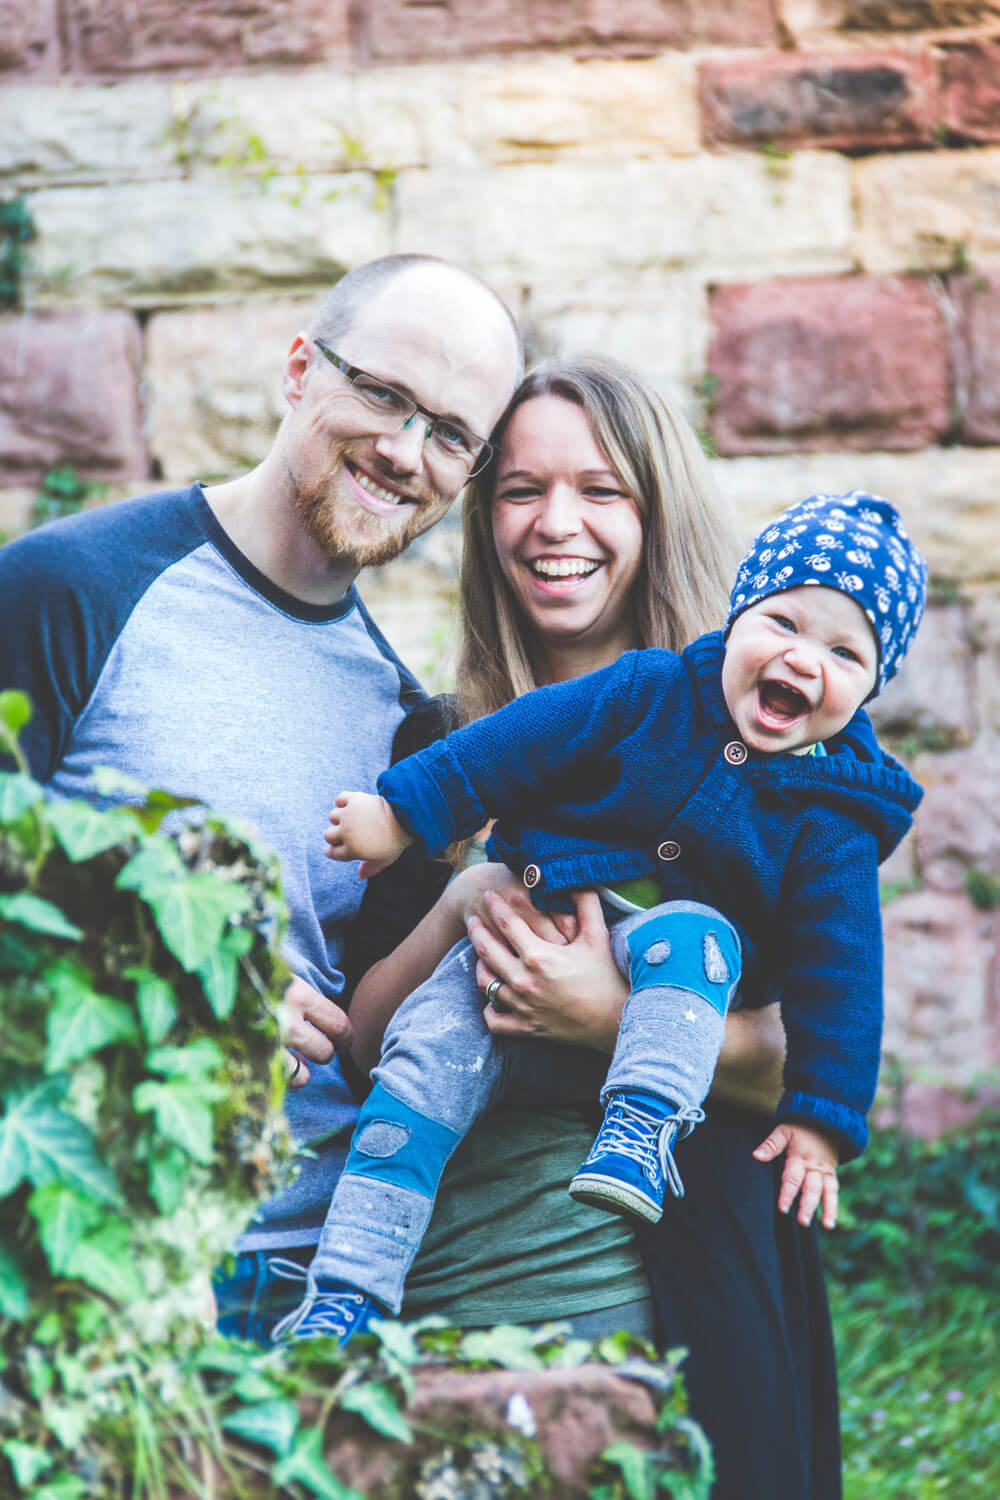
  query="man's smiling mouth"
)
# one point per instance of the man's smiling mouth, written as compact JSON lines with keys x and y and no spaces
{"x":388,"y":497}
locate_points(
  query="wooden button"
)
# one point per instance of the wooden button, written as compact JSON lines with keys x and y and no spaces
{"x":668,"y":850}
{"x":735,"y":752}
{"x":532,"y":876}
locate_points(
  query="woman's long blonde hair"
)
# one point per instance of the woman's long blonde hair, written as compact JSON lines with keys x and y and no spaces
{"x":689,"y":548}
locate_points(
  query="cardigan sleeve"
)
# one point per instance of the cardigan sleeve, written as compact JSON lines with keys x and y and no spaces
{"x":831,"y":986}
{"x":545,"y":743}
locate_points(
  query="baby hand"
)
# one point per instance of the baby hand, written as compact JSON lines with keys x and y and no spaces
{"x":810,"y":1165}
{"x":363,"y":826}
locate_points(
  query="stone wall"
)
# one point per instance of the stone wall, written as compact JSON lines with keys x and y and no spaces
{"x":787,"y":212}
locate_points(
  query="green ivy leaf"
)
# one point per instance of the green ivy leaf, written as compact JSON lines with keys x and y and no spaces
{"x":306,"y":1465}
{"x":69,"y":1423}
{"x":156,"y":806}
{"x":168,"y":1177}
{"x":15,"y":711}
{"x":14,"y":1289}
{"x":637,"y":1470}
{"x":17,"y":793}
{"x":155,"y":868}
{"x":44,"y":1143}
{"x":38,"y":915}
{"x":156,"y":1001}
{"x":81,"y":1021}
{"x":63,"y":1487}
{"x":84,"y":830}
{"x":108,"y":781}
{"x":27,"y":1461}
{"x":63,"y":1217}
{"x":511,"y":1347}
{"x":380,"y":1409}
{"x":192,"y":1062}
{"x":218,"y":980}
{"x":181,"y":1114}
{"x":106,"y":1260}
{"x":271,"y":1424}
{"x":192,"y":915}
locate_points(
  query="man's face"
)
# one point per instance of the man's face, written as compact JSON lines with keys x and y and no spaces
{"x":798,"y":666}
{"x":361,"y":494}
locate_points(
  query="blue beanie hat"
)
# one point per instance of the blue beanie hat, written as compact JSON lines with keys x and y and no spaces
{"x":853,"y":543}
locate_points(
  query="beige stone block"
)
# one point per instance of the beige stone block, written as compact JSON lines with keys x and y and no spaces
{"x":416,"y":607}
{"x":655,"y":321}
{"x":147,"y":244}
{"x":581,"y":109}
{"x":928,"y":212}
{"x":985,"y":632}
{"x":949,"y":497}
{"x":61,"y":133}
{"x":724,"y":216}
{"x":15,"y":509}
{"x":324,"y":121}
{"x":213,"y":383}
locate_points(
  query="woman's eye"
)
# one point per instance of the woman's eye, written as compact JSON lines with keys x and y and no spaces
{"x":601,"y":492}
{"x":518,"y":496}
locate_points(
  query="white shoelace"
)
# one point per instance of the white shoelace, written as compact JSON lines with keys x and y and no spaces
{"x":647,"y":1140}
{"x":328,"y":1312}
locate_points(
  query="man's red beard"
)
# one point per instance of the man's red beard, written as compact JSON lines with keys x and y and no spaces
{"x":317,"y":512}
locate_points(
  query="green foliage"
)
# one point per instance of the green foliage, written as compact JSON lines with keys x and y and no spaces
{"x":62,"y":493}
{"x":139,"y":1047}
{"x":914,"y":1273}
{"x":16,"y":229}
{"x":982,"y":889}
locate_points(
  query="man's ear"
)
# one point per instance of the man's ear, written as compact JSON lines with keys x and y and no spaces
{"x":296,"y":365}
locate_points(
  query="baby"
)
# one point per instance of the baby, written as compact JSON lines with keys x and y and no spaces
{"x":731,"y":805}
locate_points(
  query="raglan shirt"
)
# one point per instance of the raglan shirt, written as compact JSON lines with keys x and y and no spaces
{"x":148,"y":642}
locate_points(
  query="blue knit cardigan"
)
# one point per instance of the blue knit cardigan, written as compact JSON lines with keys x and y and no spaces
{"x":638,"y":770}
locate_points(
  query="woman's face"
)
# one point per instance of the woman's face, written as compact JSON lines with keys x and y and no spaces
{"x":567,"y":532}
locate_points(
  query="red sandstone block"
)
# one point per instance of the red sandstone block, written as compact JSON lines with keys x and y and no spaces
{"x":977,"y":300}
{"x":734,"y":23}
{"x":842,"y":100}
{"x":970,"y":82}
{"x":407,"y":30}
{"x":29,"y":38}
{"x":106,"y":38}
{"x":838,"y":363}
{"x":69,"y":394}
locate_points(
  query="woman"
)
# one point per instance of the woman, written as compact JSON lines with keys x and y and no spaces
{"x":590,"y":534}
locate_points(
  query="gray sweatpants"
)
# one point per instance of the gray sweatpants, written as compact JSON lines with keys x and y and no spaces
{"x":441,"y":1069}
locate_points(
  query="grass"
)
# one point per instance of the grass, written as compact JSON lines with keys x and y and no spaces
{"x":914,"y":1280}
{"x":920,"y":1397}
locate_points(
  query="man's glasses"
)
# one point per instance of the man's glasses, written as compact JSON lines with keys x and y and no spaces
{"x":451,"y":444}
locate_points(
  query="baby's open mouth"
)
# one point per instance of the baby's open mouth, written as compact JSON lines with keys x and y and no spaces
{"x":779,"y":700}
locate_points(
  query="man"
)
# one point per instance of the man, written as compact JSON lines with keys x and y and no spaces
{"x":210,"y":640}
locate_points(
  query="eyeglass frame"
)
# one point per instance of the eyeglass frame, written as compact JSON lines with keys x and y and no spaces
{"x":483,"y":454}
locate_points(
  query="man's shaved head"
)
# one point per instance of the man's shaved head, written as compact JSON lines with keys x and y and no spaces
{"x":361,"y":286}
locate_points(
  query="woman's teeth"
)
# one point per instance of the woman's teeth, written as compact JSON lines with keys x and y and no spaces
{"x":563,"y":567}
{"x":376,"y":489}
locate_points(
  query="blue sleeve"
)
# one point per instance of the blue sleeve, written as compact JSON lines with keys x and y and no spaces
{"x":66,"y":592}
{"x":831,"y":998}
{"x":499,"y":766}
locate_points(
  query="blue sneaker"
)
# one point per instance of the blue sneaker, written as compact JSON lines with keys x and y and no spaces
{"x":631,"y":1163}
{"x":329,"y":1310}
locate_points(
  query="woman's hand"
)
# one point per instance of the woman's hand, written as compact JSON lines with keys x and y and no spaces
{"x":557,"y":976}
{"x":314,"y":1028}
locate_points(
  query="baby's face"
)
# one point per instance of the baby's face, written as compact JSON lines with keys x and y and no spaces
{"x":798,"y":666}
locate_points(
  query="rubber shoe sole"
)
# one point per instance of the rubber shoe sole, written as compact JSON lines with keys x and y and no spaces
{"x":614,"y":1197}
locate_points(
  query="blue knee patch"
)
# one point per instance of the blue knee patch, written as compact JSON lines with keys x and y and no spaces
{"x":687,"y":950}
{"x":396,"y":1144}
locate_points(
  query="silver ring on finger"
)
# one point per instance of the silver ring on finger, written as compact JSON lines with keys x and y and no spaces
{"x":296,"y":1070}
{"x":492,"y":989}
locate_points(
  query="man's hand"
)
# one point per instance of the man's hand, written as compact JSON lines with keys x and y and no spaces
{"x":315,"y":1028}
{"x":363,"y":826}
{"x":810,"y":1167}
